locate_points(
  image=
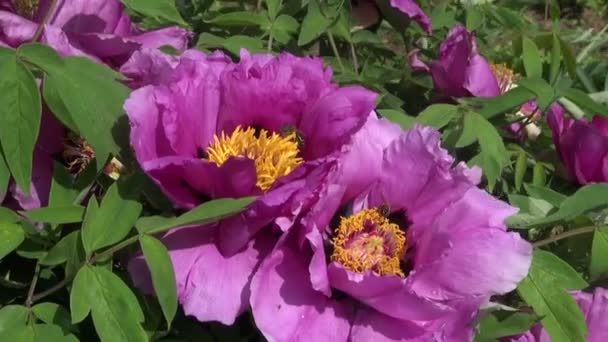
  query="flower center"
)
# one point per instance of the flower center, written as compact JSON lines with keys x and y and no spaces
{"x":506,"y":77}
{"x":26,"y":8}
{"x":274,"y":155}
{"x":369,"y":241}
{"x":77,"y":154}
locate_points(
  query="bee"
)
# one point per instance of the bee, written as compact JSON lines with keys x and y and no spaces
{"x":385,"y":210}
{"x":289,"y":129}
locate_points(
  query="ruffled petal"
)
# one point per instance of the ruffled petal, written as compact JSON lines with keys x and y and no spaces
{"x":370,"y":325}
{"x":285,"y":306}
{"x":412,"y":10}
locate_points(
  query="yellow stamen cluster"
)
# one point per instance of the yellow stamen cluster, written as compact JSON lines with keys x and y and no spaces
{"x":274,"y":155}
{"x":369,"y":241}
{"x":26,"y":8}
{"x":505,"y":76}
{"x":77,"y":154}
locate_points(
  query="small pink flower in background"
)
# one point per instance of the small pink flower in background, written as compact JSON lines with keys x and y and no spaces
{"x":412,"y":257}
{"x":582,"y":145}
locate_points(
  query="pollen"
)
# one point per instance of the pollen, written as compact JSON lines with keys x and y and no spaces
{"x":368,"y":241}
{"x":26,"y":8}
{"x":274,"y":155}
{"x":505,"y":76}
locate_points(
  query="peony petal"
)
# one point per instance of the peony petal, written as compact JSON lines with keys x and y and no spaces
{"x":382,"y":292}
{"x":87,"y":16}
{"x":331,"y":121}
{"x":285,"y":306}
{"x":370,"y":325}
{"x":412,"y":10}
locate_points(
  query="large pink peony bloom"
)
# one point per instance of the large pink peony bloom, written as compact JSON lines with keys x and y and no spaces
{"x":595,"y":309}
{"x":98,"y":29}
{"x":582,"y":145}
{"x":205,"y":127}
{"x":411,"y":258}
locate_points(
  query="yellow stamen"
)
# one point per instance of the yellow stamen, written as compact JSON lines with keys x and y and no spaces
{"x":505,"y":76}
{"x":274,"y":155}
{"x":26,"y":8}
{"x":369,"y":241}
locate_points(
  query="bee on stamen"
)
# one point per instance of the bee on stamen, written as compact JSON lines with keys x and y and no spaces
{"x":290,"y":129}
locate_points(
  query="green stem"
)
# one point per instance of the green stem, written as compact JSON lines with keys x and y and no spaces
{"x":564,"y":235}
{"x":334,"y":48}
{"x":353,"y":54}
{"x":269,"y":47}
{"x":100,"y":256}
{"x":30,"y":292}
{"x":44,"y":20}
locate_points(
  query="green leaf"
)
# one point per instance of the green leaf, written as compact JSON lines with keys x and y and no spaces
{"x":598,"y":267}
{"x":532,"y":59}
{"x":520,"y":169}
{"x":545,"y":95}
{"x":79,"y":298}
{"x":163,"y":11}
{"x":99,"y":119}
{"x":530,"y":209}
{"x":547,"y":194}
{"x":234,"y":44}
{"x":587,"y":198}
{"x":398,"y":117}
{"x":12,"y":316}
{"x":50,"y":333}
{"x":115,"y":217}
{"x":5,"y":175}
{"x":207,"y":212}
{"x":583,"y":100}
{"x":438,"y":115}
{"x":53,"y":313}
{"x":115,"y":309}
{"x":493,"y":151}
{"x":538,"y":175}
{"x":163,"y":277}
{"x":544,"y":290}
{"x":63,"y":191}
{"x":474,"y":17}
{"x":20,"y":115}
{"x":506,"y":102}
{"x":569,"y":57}
{"x":313,"y":25}
{"x":55,"y":103}
{"x":492,"y":327}
{"x":555,"y":58}
{"x":11,"y":236}
{"x":40,"y":55}
{"x":62,"y":251}
{"x":273,"y":7}
{"x":284,"y":27}
{"x":56,"y":215}
{"x":240,"y":19}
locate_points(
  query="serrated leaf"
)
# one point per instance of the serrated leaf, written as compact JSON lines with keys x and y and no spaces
{"x":207,"y":212}
{"x":438,"y":115}
{"x":20,"y":116}
{"x":532,"y":60}
{"x":543,"y":289}
{"x":11,"y":236}
{"x":115,"y":217}
{"x":598,"y":267}
{"x":163,"y":276}
{"x":56,"y":215}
